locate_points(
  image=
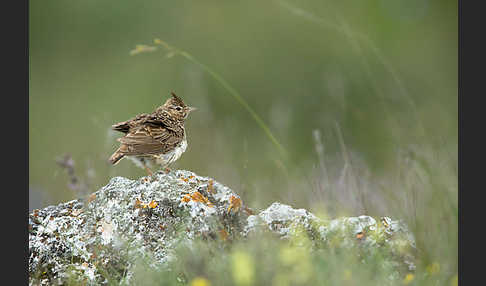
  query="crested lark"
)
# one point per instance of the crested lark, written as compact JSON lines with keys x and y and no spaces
{"x":158,"y":137}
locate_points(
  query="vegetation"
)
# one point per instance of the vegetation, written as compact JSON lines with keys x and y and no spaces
{"x":342,"y":108}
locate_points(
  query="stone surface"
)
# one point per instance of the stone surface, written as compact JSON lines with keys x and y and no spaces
{"x":131,"y":219}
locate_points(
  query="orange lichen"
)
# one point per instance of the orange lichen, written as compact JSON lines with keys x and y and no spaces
{"x":235,"y":203}
{"x":91,"y":197}
{"x":153,"y":204}
{"x":186,"y":198}
{"x":210,"y":186}
{"x":138,"y":204}
{"x":197,"y":197}
{"x":223,"y":234}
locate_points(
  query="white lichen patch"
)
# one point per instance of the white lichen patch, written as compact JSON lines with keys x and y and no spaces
{"x":281,"y":218}
{"x":284,"y":213}
{"x":106,"y":229}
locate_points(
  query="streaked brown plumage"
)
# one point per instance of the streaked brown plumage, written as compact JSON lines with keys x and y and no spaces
{"x":158,"y":137}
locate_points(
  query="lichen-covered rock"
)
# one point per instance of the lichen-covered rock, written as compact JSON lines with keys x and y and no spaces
{"x":152,"y":215}
{"x":347,"y":232}
{"x":131,"y":219}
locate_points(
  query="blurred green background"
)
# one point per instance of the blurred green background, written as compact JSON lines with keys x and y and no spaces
{"x":347,"y":87}
{"x":361,"y":94}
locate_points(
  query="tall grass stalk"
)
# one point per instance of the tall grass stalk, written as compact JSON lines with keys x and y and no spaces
{"x":356,"y":40}
{"x":173,"y":51}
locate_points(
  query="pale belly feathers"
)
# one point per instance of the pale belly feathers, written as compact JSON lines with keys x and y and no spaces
{"x":172,"y":156}
{"x":161,"y":159}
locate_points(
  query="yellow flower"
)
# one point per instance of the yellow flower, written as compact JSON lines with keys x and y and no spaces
{"x":298,"y":260}
{"x":200,"y":281}
{"x":455,"y":280}
{"x":433,"y":268}
{"x":243,"y":270}
{"x":408,"y":279}
{"x":157,"y":41}
{"x":289,"y":255}
{"x":347,"y":274}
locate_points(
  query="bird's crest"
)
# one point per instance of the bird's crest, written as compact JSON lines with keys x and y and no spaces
{"x":177,"y":99}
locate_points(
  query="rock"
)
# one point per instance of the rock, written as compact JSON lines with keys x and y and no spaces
{"x":131,"y":219}
{"x":346,"y":232}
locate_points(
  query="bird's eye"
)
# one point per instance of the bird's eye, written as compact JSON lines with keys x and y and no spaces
{"x":178,"y":108}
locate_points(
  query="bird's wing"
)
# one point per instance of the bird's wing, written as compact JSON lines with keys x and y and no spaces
{"x":149,"y":139}
{"x":125,"y":126}
{"x":157,"y":118}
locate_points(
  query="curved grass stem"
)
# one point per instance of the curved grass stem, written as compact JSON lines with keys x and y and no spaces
{"x":356,"y":40}
{"x":175,"y":51}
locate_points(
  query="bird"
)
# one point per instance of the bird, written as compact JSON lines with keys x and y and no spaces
{"x":158,"y":138}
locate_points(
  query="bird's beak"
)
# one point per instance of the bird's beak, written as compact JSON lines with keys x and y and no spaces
{"x":190,"y":109}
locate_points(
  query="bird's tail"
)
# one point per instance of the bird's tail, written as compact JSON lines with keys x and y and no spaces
{"x":117,"y":156}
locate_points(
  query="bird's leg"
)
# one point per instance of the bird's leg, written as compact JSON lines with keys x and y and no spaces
{"x":149,"y":172}
{"x":167,"y":170}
